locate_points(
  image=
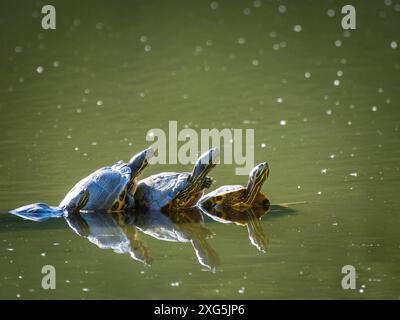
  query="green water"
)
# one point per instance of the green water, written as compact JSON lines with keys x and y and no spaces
{"x":150,"y":62}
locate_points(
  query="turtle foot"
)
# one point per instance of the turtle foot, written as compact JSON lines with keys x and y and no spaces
{"x":207,"y":182}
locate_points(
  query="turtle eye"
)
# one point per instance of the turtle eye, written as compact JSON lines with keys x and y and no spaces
{"x":218,"y":198}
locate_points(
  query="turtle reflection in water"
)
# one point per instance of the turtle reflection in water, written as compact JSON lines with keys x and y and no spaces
{"x":185,"y":225}
{"x":251,"y":218}
{"x":120,"y":231}
{"x":110,"y":230}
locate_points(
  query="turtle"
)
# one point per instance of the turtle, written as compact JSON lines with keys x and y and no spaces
{"x":108,"y":188}
{"x":171,"y":191}
{"x":238,"y":197}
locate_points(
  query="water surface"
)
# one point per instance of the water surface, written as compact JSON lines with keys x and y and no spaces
{"x":84,"y":96}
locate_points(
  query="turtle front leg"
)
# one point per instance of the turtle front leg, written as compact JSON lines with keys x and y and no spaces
{"x":207,"y":182}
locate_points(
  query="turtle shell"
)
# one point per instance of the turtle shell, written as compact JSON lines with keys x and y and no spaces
{"x":227,"y":196}
{"x":105,"y":186}
{"x":223,"y":194}
{"x":156,"y":191}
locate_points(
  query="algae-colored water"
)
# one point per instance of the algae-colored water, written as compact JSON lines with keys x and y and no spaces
{"x":323,"y":103}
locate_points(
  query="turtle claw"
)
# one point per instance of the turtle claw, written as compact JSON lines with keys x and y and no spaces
{"x":207,"y":182}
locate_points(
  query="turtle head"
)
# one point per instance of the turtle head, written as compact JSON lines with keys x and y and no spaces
{"x":257,"y":178}
{"x":140,"y":161}
{"x":204,"y":164}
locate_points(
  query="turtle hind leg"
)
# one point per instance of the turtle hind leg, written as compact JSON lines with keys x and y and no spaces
{"x":78,"y":203}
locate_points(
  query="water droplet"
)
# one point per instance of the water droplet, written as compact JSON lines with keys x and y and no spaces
{"x":282,"y":8}
{"x":241,"y":290}
{"x":330,"y":13}
{"x":263,"y":145}
{"x":336,"y":82}
{"x":246,"y":11}
{"x":241,"y":40}
{"x":143,"y":39}
{"x":275,"y":46}
{"x":323,"y":171}
{"x":297,"y":28}
{"x":279,"y":99}
{"x":39,"y":69}
{"x":346,"y":34}
{"x":388,"y":2}
{"x":257,"y":4}
{"x":374,"y":108}
{"x":354,"y":174}
{"x":282,"y":122}
{"x":255,"y":62}
{"x":339,"y":73}
{"x":99,"y":103}
{"x":214,"y":5}
{"x":307,"y":75}
{"x":147,"y":48}
{"x":393,"y":44}
{"x":99,"y":26}
{"x":338,"y":43}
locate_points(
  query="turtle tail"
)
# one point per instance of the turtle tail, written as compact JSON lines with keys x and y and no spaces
{"x":38,"y":212}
